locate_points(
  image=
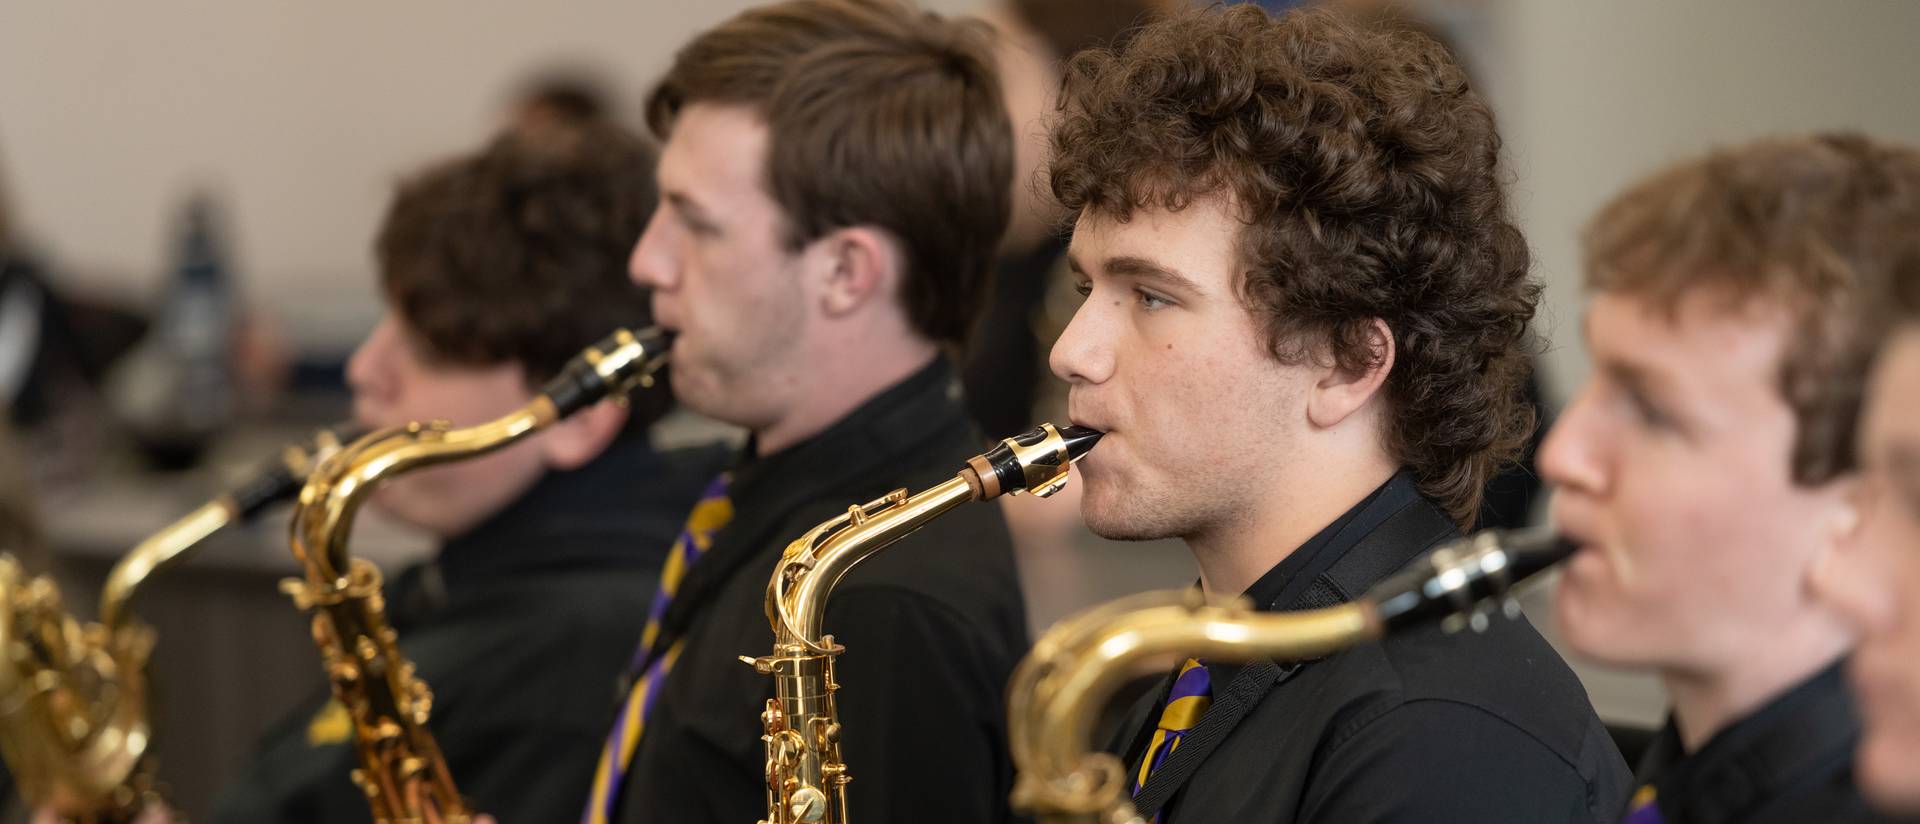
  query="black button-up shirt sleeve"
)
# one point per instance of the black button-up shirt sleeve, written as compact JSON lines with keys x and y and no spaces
{"x":920,"y":733}
{"x":1432,"y":762}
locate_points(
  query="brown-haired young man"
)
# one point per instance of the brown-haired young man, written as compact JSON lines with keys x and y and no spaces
{"x":1705,"y":467}
{"x":1874,"y":582}
{"x":497,"y":267}
{"x":834,"y":185}
{"x":1303,"y":334}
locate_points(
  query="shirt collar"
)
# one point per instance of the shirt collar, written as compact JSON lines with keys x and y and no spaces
{"x":890,"y":423}
{"x":1282,"y":585}
{"x":1809,"y":730}
{"x":580,"y":517}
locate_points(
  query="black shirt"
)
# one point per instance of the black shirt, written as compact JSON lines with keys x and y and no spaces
{"x":521,"y":628}
{"x":932,"y":626}
{"x":1789,"y":763}
{"x":1421,"y":727}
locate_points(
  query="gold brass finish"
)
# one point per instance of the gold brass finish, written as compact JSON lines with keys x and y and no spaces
{"x":806,"y":779}
{"x":1059,"y":689}
{"x":74,"y":725}
{"x":401,"y":770}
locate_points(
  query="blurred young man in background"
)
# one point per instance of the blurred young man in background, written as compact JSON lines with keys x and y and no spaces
{"x":1706,"y":465}
{"x":497,"y":268}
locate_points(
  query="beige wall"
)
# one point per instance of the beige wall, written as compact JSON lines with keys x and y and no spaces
{"x":302,"y":112}
{"x":1596,"y":94}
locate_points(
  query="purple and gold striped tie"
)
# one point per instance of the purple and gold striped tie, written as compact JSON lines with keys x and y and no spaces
{"x":1192,"y":693}
{"x":1643,"y":810}
{"x":712,"y":512}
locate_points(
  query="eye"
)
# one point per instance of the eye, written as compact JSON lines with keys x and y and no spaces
{"x":1151,"y":301}
{"x":1649,"y":413}
{"x":1083,"y":287}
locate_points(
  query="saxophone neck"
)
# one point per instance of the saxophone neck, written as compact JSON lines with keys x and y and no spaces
{"x":156,"y":551}
{"x":814,"y":564}
{"x":278,"y":481}
{"x":1037,"y":461}
{"x":331,"y":499}
{"x":1059,"y":691}
{"x":335,"y":491}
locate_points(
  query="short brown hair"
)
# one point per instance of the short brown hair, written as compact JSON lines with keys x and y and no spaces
{"x":879,"y":115}
{"x":1072,"y":26}
{"x":519,"y":252}
{"x":1809,"y":223}
{"x":1366,"y":172}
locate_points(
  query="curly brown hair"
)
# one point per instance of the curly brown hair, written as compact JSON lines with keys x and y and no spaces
{"x":518,"y":253}
{"x":1367,"y":174}
{"x":1811,"y":224}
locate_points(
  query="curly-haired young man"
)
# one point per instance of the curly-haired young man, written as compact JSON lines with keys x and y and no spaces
{"x":1303,"y":335}
{"x":1706,"y":466}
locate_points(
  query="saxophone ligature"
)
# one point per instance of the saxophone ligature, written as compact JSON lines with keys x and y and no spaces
{"x":806,"y":779}
{"x":401,"y":770}
{"x":1058,"y":691}
{"x":74,"y":722}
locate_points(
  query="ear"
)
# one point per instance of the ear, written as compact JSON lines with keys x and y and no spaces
{"x":572,"y":443}
{"x":860,"y":265}
{"x":1339,"y":392}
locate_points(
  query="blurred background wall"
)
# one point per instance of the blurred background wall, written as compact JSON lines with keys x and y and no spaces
{"x":1596,"y":94}
{"x":300,"y":115}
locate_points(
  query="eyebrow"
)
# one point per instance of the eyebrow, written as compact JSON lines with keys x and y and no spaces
{"x":1140,"y":268}
{"x":1639,"y":379}
{"x":686,"y":205}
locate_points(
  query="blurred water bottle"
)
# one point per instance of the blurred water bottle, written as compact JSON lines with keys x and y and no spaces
{"x":175,"y":391}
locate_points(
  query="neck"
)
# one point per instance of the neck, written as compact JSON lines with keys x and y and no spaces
{"x":1234,"y":554}
{"x":840,"y":385}
{"x":1705,"y":703}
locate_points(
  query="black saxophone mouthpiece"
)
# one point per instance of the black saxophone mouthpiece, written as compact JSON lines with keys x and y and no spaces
{"x":1079,"y":440}
{"x":612,"y":367}
{"x":1033,"y":461}
{"x":1461,"y":582}
{"x":281,"y":479}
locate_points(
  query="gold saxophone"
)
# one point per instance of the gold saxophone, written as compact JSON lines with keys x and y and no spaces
{"x":401,"y":770}
{"x":74,"y":725}
{"x":1059,"y":690}
{"x":806,"y":780}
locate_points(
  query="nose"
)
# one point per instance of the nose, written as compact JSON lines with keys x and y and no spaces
{"x":369,"y":369}
{"x":655,"y":263}
{"x":1855,"y":582}
{"x":1572,"y":458}
{"x":1084,"y":353}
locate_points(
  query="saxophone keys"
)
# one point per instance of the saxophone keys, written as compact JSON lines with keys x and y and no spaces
{"x":808,"y":805}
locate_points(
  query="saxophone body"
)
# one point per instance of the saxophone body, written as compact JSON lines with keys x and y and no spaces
{"x":806,"y":778}
{"x":74,"y":723}
{"x":1057,"y":693}
{"x":401,"y":770}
